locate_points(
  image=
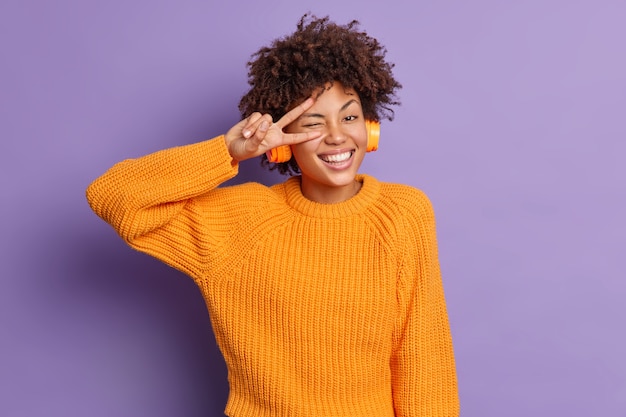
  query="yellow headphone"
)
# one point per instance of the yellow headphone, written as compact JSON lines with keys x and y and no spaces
{"x":283,"y":153}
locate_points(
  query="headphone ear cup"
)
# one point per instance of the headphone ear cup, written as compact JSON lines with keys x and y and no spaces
{"x":373,"y":135}
{"x":280,"y":154}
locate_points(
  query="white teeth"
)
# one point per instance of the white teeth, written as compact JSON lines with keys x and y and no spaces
{"x":337,"y":158}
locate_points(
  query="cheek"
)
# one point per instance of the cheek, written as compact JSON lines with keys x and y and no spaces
{"x":361,"y":138}
{"x":305,"y":148}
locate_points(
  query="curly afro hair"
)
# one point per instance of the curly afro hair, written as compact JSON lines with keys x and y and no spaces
{"x":319,"y":52}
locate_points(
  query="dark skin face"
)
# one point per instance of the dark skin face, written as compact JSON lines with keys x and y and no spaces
{"x":329,"y":163}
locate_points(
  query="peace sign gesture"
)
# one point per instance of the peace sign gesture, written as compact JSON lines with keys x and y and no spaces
{"x":257,"y":134}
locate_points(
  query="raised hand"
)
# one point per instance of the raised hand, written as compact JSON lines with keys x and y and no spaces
{"x":258,"y":133}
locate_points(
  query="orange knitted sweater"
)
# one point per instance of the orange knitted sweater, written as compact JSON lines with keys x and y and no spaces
{"x":320,"y":310}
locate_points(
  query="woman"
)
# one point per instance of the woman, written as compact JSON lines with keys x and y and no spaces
{"x":324,"y":291}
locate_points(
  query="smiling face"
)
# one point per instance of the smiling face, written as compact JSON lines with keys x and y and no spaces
{"x":329,"y":164}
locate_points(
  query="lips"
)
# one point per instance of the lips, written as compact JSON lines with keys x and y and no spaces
{"x":337,"y":158}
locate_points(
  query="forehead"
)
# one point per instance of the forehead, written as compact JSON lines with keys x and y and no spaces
{"x":335,"y":94}
{"x":331,"y":91}
{"x":334,"y":88}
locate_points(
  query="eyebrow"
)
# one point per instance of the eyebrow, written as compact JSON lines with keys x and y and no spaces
{"x":345,"y":106}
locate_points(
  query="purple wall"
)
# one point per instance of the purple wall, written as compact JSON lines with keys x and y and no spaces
{"x":513,"y":121}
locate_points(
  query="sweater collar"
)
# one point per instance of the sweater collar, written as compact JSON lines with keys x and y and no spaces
{"x":354,"y":205}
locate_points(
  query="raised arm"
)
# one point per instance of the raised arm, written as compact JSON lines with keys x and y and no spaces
{"x":150,"y":201}
{"x":162,"y":203}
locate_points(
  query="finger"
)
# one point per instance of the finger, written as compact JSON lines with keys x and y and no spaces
{"x":260,"y":132}
{"x":295,"y":138}
{"x":247,"y":123}
{"x":296,"y":112}
{"x":255,"y":121}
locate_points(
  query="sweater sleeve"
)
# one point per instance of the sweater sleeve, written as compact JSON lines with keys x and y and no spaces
{"x":153,"y":202}
{"x":423,"y":369}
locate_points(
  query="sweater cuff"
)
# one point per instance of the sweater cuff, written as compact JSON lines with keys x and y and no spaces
{"x":219,"y":159}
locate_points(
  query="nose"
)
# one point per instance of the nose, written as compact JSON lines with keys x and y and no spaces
{"x":335,"y":135}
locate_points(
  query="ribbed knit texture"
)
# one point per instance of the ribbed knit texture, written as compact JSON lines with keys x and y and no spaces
{"x":320,"y":310}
